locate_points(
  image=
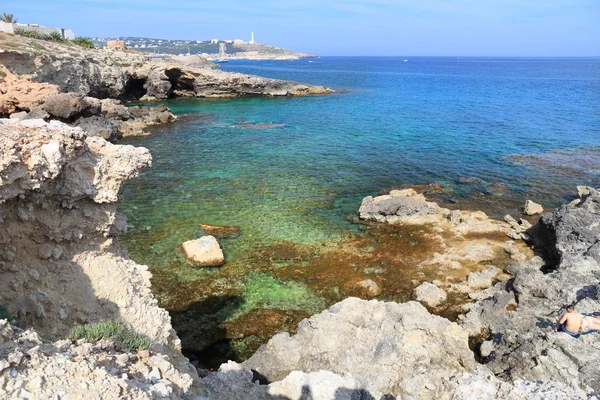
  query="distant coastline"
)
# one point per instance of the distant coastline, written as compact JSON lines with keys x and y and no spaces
{"x":213,"y":49}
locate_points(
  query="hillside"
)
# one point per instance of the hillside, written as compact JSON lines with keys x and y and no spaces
{"x":234,"y":49}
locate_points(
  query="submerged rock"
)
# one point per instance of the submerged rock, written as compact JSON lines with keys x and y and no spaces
{"x":221,"y":231}
{"x":205,"y":252}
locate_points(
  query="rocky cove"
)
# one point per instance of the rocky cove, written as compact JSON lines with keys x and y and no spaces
{"x":61,"y":265}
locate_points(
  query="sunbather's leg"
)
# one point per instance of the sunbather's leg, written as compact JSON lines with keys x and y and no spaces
{"x":592,"y":323}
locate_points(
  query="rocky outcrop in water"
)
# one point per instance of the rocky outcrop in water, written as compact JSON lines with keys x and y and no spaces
{"x":132,"y":76}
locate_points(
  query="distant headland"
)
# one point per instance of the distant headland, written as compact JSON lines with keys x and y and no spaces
{"x":212,"y":49}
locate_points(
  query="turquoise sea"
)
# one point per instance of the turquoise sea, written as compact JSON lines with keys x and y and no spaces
{"x":290,"y":172}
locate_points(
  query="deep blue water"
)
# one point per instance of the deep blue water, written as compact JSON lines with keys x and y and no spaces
{"x":391,"y":122}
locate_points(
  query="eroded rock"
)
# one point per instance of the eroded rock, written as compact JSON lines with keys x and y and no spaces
{"x":430,"y":294}
{"x":389,"y":348}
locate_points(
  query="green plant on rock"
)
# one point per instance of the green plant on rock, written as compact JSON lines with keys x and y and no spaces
{"x":54,"y":37}
{"x":29,"y":34}
{"x":124,"y":337}
{"x":5,"y":314}
{"x":84,"y":42}
{"x":9,"y":18}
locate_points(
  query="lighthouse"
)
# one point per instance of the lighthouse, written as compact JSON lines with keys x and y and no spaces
{"x":252,"y":38}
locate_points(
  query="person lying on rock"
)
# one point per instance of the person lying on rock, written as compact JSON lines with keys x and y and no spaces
{"x":574,"y":323}
{"x":570,"y":322}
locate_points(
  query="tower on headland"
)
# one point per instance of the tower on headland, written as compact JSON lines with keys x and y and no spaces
{"x":251,"y":38}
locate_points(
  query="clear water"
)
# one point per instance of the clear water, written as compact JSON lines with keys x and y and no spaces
{"x":299,"y":181}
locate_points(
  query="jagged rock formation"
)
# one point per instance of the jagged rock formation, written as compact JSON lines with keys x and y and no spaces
{"x":374,"y":342}
{"x":22,"y":98}
{"x":130,"y":76}
{"x":355,"y":370}
{"x":521,"y":312}
{"x":59,"y":263}
{"x":35,"y":369}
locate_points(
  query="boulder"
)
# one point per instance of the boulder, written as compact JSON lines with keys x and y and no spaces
{"x":19,"y":115}
{"x":69,"y":106}
{"x":389,"y":348}
{"x":205,"y":252}
{"x":98,"y":126}
{"x":532,"y":208}
{"x":401,"y":206}
{"x":369,"y":288}
{"x":430,"y":295}
{"x":37,"y":113}
{"x":483,"y":279}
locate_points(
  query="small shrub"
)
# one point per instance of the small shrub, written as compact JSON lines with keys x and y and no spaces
{"x":54,"y":37}
{"x":84,"y":42}
{"x":29,"y":34}
{"x":4,"y":314}
{"x":118,"y":331}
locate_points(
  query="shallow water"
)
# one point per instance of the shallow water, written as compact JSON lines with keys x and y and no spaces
{"x":291,"y":172}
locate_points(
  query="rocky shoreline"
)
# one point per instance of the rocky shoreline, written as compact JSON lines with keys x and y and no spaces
{"x":88,"y":88}
{"x":61,"y":266}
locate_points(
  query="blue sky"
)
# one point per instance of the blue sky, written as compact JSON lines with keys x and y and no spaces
{"x":342,"y":27}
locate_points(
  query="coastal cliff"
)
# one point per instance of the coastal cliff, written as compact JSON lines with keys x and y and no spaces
{"x":132,"y":76}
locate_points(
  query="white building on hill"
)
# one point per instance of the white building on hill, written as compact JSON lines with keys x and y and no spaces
{"x":44,"y":30}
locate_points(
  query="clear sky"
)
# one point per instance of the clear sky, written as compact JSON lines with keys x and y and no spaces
{"x":342,"y":27}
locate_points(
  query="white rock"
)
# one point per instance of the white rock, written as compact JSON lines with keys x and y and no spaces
{"x":430,"y":294}
{"x":486,"y":348}
{"x":483,"y":279}
{"x":370,"y":287}
{"x":204,"y":251}
{"x":154,"y":375}
{"x":532,"y":208}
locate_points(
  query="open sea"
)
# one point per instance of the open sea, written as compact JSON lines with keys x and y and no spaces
{"x":291,"y":172}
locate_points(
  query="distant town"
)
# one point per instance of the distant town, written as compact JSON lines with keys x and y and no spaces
{"x":213,"y":49}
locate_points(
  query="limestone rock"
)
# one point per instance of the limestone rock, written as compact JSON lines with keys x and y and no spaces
{"x":69,"y":106}
{"x":83,"y":370}
{"x":22,"y":93}
{"x":129,"y":76}
{"x":205,"y":252}
{"x":483,"y":279}
{"x":400,"y":206}
{"x":389,"y":348}
{"x":523,"y":311}
{"x":57,"y":194}
{"x":532,"y":208}
{"x":430,"y":294}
